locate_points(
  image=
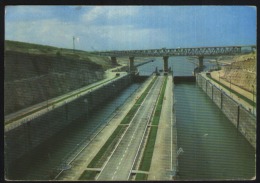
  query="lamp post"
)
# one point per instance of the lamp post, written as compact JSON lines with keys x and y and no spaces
{"x":253,"y":99}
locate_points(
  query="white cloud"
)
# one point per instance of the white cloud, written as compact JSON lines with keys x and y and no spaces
{"x":127,"y":37}
{"x":119,"y":12}
{"x":109,"y":13}
{"x":93,"y":14}
{"x":102,"y":37}
{"x":113,"y":27}
{"x":118,"y":31}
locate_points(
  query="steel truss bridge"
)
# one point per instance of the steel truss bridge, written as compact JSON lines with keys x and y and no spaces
{"x":199,"y":51}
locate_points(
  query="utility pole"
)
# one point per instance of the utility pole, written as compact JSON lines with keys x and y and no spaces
{"x":73,"y":44}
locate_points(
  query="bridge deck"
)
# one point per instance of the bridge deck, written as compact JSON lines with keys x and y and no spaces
{"x":200,"y":51}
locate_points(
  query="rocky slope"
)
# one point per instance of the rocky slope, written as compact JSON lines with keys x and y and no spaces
{"x":35,"y":73}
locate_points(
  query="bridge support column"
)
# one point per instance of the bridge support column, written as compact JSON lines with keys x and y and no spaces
{"x":131,"y":64}
{"x":113,"y":60}
{"x":201,"y":62}
{"x":165,"y":63}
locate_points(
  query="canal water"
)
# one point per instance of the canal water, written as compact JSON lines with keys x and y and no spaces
{"x":213,"y":148}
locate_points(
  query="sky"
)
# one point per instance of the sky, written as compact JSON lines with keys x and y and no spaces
{"x":97,"y":28}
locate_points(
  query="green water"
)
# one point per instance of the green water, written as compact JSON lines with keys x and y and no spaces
{"x":213,"y":148}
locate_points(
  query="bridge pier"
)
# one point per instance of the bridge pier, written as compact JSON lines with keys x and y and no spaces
{"x":165,"y":63}
{"x":201,"y":61}
{"x":131,"y":64}
{"x":113,"y":60}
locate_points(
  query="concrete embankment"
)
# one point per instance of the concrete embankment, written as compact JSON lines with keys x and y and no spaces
{"x":240,"y":117}
{"x":20,"y":141}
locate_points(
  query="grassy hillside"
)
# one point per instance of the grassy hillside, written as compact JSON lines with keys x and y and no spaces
{"x":44,"y":50}
{"x":35,"y":73}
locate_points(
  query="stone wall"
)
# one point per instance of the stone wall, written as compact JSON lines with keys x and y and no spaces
{"x":31,"y":79}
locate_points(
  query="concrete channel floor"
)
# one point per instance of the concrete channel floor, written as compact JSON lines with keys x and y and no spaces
{"x":80,"y":163}
{"x":120,"y":164}
{"x":164,"y":158}
{"x":163,"y":163}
